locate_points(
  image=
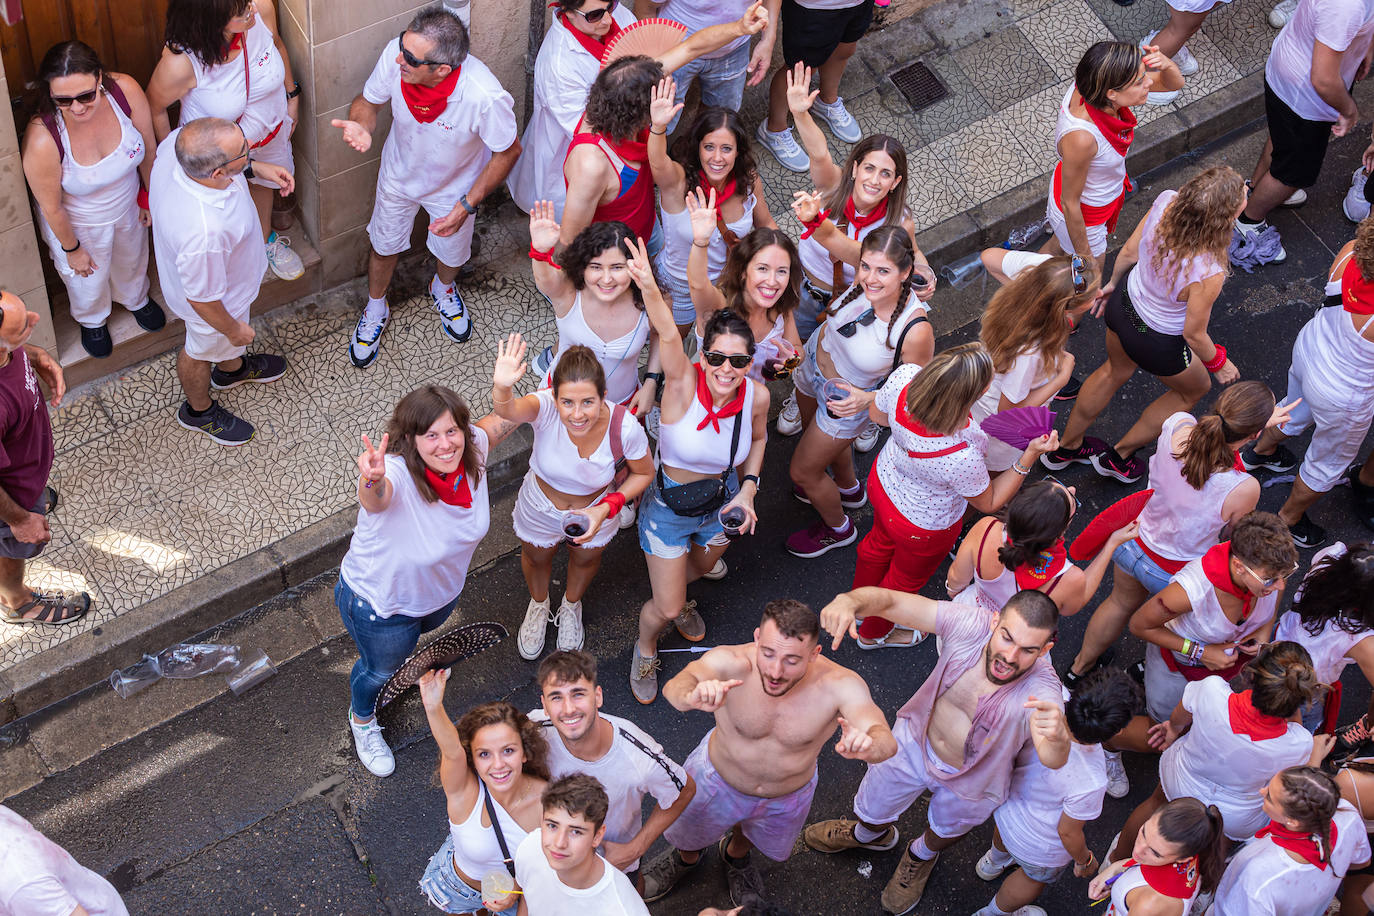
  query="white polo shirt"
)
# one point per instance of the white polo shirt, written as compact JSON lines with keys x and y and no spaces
{"x":208,"y":242}
{"x":438,"y":162}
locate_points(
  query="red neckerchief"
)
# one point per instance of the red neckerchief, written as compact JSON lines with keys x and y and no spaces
{"x":454,"y":491}
{"x":426,"y":103}
{"x":859,"y":223}
{"x":1046,"y":566}
{"x":714,"y":416}
{"x":1236,"y":463}
{"x":1249,"y":721}
{"x":636,"y":150}
{"x":593,"y":46}
{"x":724,"y":193}
{"x":237,"y":42}
{"x":1304,"y":844}
{"x":911,"y":423}
{"x":1119,"y":129}
{"x":1357,"y":293}
{"x":1177,"y":879}
{"x":1216,"y":566}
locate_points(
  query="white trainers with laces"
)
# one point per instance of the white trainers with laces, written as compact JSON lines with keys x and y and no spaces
{"x":1117,"y":783}
{"x":993,"y":863}
{"x":868,"y":439}
{"x":1355,"y":206}
{"x":530,"y":640}
{"x":367,"y":337}
{"x":838,"y":119}
{"x":784,"y":148}
{"x":716,"y":572}
{"x":627,"y":516}
{"x":282,"y":261}
{"x":1282,"y":12}
{"x":1187,"y":63}
{"x":789,"y":421}
{"x":372,"y":747}
{"x":569,"y":622}
{"x":453,"y":314}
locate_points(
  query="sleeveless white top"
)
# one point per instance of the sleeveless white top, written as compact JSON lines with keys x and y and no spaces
{"x":619,"y":358}
{"x":476,"y":851}
{"x":704,"y":451}
{"x":677,"y":241}
{"x":1130,"y":879}
{"x":1107,"y":171}
{"x":220,"y":91}
{"x":992,"y":594}
{"x":765,"y":348}
{"x":1207,"y":623}
{"x":101,"y":193}
{"x":865,"y":359}
{"x":817,"y":261}
{"x":1180,"y":523}
{"x":556,"y":460}
{"x":1333,"y":354}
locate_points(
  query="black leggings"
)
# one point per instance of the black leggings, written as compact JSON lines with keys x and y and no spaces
{"x":1161,"y":355}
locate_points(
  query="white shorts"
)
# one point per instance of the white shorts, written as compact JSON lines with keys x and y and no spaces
{"x":393,"y":217}
{"x":204,"y":342}
{"x":1341,"y":420}
{"x":1097,"y":235}
{"x":277,"y":152}
{"x":1163,"y":687}
{"x":540,"y":523}
{"x":890,"y":787}
{"x":1013,"y":262}
{"x":120,"y":253}
{"x":808,"y":380}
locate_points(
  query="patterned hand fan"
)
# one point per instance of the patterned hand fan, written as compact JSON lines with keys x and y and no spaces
{"x":1118,"y":515}
{"x":647,"y":37}
{"x":444,"y":652}
{"x":1019,"y":426}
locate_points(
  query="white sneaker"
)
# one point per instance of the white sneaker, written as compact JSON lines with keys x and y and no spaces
{"x":652,"y":422}
{"x":987,"y":867}
{"x":1164,"y":97}
{"x":532,"y":632}
{"x":716,"y":572}
{"x":784,"y":148}
{"x":569,"y":622}
{"x":282,"y":261}
{"x":1027,"y":910}
{"x":1282,"y":12}
{"x":1117,"y":783}
{"x":868,"y":439}
{"x":838,"y":119}
{"x":1296,"y":199}
{"x":626,"y":518}
{"x":1187,"y":63}
{"x":367,"y":338}
{"x":453,"y":314}
{"x":371,"y":747}
{"x":789,"y":421}
{"x":1355,"y":206}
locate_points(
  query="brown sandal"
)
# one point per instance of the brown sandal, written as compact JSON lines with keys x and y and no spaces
{"x":57,"y":608}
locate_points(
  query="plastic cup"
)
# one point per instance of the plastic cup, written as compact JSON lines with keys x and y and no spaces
{"x":834,"y":390}
{"x":732,"y":519}
{"x":575,"y":524}
{"x":496,"y":884}
{"x":255,"y":668}
{"x":922,"y":278}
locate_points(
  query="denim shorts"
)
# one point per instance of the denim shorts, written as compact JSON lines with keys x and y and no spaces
{"x":665,"y":534}
{"x":807,"y":315}
{"x":808,"y":380}
{"x":1131,"y":560}
{"x":445,"y":890}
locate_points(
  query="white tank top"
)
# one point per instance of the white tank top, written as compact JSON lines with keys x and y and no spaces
{"x":818,"y":262}
{"x":704,"y":451}
{"x":1130,"y":879}
{"x":475,"y":850}
{"x":677,"y":241}
{"x":556,"y":460}
{"x":1180,"y":523}
{"x":1333,"y":352}
{"x":764,"y":349}
{"x":1207,"y":622}
{"x":619,"y":358}
{"x":865,"y":359}
{"x":100,"y":194}
{"x":220,"y":92}
{"x":1107,"y":171}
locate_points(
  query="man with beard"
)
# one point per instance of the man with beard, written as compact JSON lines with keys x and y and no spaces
{"x":776,"y":703}
{"x":992,"y":691}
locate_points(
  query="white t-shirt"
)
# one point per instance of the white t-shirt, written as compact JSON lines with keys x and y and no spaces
{"x":1341,"y":25}
{"x":699,"y":14}
{"x":1331,"y":645}
{"x":436,"y":163}
{"x":412,"y":558}
{"x":546,"y":895}
{"x":1028,"y":820}
{"x":555,"y":458}
{"x":1264,"y":880}
{"x":208,"y":242}
{"x":635,"y":766}
{"x":40,"y":878}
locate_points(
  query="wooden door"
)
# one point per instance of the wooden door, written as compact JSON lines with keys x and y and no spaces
{"x":127,"y":34}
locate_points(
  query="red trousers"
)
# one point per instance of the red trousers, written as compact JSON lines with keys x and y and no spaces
{"x":896,"y":554}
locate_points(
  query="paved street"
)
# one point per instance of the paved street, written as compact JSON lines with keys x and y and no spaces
{"x":257,"y":804}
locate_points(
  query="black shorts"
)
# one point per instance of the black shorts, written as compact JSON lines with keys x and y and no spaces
{"x":1161,"y":355}
{"x":1299,"y":144}
{"x":811,"y":36}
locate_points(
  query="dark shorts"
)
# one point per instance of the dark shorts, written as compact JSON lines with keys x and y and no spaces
{"x":14,"y":549}
{"x":1161,"y":355}
{"x":811,"y":36}
{"x":1299,"y":144}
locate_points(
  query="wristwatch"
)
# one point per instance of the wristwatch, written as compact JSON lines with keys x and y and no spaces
{"x":656,"y":376}
{"x":467,"y":206}
{"x":748,"y":477}
{"x":294,"y":91}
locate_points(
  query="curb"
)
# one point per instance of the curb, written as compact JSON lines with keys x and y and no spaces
{"x":79,"y":663}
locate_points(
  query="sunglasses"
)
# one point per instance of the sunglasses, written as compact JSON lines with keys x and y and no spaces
{"x":596,"y":15}
{"x":1072,"y":495}
{"x":67,"y":101}
{"x":1080,"y":283}
{"x":413,"y":61}
{"x":850,"y":328}
{"x":737,"y":360}
{"x":1266,"y":582}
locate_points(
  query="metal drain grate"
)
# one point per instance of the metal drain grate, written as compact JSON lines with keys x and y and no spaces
{"x":919,"y":84}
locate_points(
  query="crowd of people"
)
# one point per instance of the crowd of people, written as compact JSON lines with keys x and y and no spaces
{"x":651,"y":239}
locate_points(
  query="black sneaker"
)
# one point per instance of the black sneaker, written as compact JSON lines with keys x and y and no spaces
{"x":150,"y":316}
{"x":1126,"y":470}
{"x":1361,"y":495}
{"x":257,"y":367}
{"x":219,"y":424}
{"x":1282,"y":460}
{"x":1307,"y":533}
{"x":1070,"y":390}
{"x":1061,"y":458}
{"x":1070,"y":679}
{"x":744,"y":881}
{"x":1137,"y":672}
{"x":97,"y":341}
{"x":663,"y":873}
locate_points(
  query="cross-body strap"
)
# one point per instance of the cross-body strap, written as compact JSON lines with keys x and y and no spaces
{"x":617,"y":449}
{"x":496,"y":827}
{"x":901,"y":339}
{"x":734,"y":442}
{"x":49,"y":118}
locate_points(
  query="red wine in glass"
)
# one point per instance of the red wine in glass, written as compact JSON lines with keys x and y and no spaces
{"x":732,"y":520}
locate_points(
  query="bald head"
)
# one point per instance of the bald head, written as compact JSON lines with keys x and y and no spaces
{"x":205,"y":144}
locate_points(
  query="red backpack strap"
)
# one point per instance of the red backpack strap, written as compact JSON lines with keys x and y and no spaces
{"x":120,"y":99}
{"x":617,"y":450}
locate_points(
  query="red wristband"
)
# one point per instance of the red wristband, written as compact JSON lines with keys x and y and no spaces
{"x":813,"y":225}
{"x":1217,"y":361}
{"x":615,"y":500}
{"x":143,"y":199}
{"x":545,"y":256}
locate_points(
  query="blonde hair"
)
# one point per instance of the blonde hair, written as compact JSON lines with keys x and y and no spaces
{"x":1031,"y":312}
{"x":943,"y":393}
{"x":1198,"y":221}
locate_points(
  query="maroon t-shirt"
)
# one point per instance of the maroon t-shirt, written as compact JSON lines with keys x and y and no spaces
{"x":26,"y":448}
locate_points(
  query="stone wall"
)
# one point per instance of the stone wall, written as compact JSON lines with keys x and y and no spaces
{"x":21,"y":271}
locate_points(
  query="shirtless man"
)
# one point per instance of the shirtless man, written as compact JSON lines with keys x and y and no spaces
{"x":776,"y":702}
{"x":959,"y":736}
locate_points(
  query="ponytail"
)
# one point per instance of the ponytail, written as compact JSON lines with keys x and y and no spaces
{"x":1197,"y":830}
{"x":1242,"y":411}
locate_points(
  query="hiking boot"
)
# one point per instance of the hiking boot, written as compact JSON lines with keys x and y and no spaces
{"x":219,"y":424}
{"x":367,"y":337}
{"x":644,"y":686}
{"x":1118,"y":785}
{"x":744,"y":881}
{"x":1356,"y":205}
{"x":836,"y":117}
{"x":820,"y":539}
{"x":784,"y":147}
{"x":453,"y":314}
{"x":689,"y":624}
{"x":569,"y":623}
{"x":281,"y":260}
{"x":1061,"y":458}
{"x":1281,"y":461}
{"x":150,"y":316}
{"x":1111,"y":464}
{"x":258,"y":367}
{"x":97,"y":341}
{"x":663,"y":873}
{"x":907,"y":884}
{"x":1282,"y":12}
{"x":530,"y":640}
{"x":1307,"y":533}
{"x":838,"y":835}
{"x":868,"y":439}
{"x":789,"y":421}
{"x":371,"y":747}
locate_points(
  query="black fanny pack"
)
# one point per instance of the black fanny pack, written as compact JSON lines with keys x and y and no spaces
{"x":701,"y":497}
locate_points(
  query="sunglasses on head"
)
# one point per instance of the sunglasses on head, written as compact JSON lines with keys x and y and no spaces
{"x":850,"y":328}
{"x":1080,"y":283}
{"x":1072,"y":495}
{"x":596,"y":15}
{"x":737,"y":360}
{"x":67,"y":101}
{"x":413,"y":61}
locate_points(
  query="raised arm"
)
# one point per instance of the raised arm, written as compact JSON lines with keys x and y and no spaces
{"x":714,"y":37}
{"x":549,"y":278}
{"x":454,"y":774}
{"x":1004,"y":486}
{"x":669,"y":176}
{"x":705,"y":297}
{"x":1092,"y":576}
{"x":703,"y":684}
{"x":510,"y":368}
{"x":674,"y":362}
{"x":1049,"y":731}
{"x":825,"y":174}
{"x":842,"y":615}
{"x":374,"y":490}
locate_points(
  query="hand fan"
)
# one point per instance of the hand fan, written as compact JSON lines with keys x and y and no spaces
{"x":1118,"y":515}
{"x":444,"y":652}
{"x":1020,"y":425}
{"x":647,"y":38}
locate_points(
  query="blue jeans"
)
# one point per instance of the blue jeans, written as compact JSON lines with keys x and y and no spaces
{"x":1133,"y":561}
{"x":721,"y":78}
{"x":384,"y":643}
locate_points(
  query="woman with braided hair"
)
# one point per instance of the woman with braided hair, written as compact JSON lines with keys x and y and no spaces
{"x":1294,"y":866}
{"x":1178,"y":854}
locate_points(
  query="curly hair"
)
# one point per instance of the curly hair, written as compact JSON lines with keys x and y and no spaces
{"x":1364,"y":247}
{"x":1339,"y":590}
{"x":895,"y":243}
{"x":618,"y":102}
{"x":1101,"y":705}
{"x":735,"y":273}
{"x":591,"y":243}
{"x":532,"y":742}
{"x":413,"y":416}
{"x":1031,"y":312}
{"x":196,"y":27}
{"x":1261,"y":541}
{"x":1036,"y":518}
{"x":687,"y":148}
{"x":1239,"y":414}
{"x":1198,"y":222}
{"x":896,"y":198}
